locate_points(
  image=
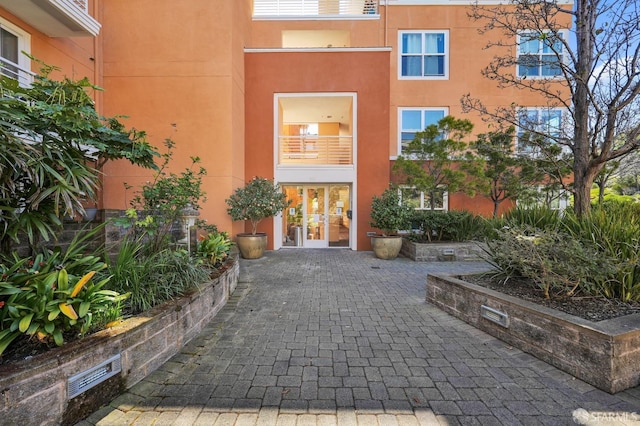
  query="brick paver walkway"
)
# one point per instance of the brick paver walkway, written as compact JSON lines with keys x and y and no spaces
{"x":326,"y":337}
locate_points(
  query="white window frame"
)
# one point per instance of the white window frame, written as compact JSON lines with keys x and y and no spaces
{"x":24,"y":45}
{"x":422,"y":54}
{"x":424,"y":200}
{"x":539,"y":111}
{"x":445,"y":111}
{"x":565,"y":36}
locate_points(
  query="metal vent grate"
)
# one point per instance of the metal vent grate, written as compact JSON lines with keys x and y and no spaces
{"x":94,"y":376}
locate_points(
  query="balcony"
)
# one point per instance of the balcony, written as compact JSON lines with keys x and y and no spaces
{"x":55,"y":18}
{"x":328,"y":9}
{"x":315,"y":150}
{"x":14,"y":71}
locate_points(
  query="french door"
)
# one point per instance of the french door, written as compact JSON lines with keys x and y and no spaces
{"x":318,"y":217}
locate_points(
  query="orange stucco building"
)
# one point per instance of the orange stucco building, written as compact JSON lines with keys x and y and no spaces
{"x":317,"y":94}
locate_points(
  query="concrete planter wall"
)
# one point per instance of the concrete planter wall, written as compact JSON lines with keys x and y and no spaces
{"x":441,"y":251}
{"x":36,"y":391}
{"x":605,"y":354}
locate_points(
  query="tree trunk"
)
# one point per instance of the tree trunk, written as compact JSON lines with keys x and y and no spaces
{"x":583,"y":169}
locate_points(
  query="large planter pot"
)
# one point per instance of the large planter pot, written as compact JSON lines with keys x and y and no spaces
{"x":252,"y":246}
{"x":386,"y":247}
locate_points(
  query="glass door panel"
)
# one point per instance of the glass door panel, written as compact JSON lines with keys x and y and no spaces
{"x":339,"y":221}
{"x":316,"y":216}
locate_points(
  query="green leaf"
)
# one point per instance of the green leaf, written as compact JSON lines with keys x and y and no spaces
{"x":25,"y":322}
{"x":49,"y":327}
{"x":57,"y":337}
{"x":83,"y":309}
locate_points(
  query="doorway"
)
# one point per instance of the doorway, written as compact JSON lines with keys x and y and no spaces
{"x":319,"y":216}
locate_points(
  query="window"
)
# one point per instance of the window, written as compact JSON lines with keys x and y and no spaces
{"x":421,"y":201}
{"x":540,"y":196}
{"x":539,"y":54}
{"x":13,"y":64}
{"x":413,"y":120}
{"x":534,"y":121}
{"x":424,"y":54}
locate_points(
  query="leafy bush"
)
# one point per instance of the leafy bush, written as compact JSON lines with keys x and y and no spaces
{"x":213,"y":248}
{"x":389,"y":213}
{"x":52,"y":293}
{"x":52,"y":138}
{"x":259,"y":199}
{"x":158,"y":207}
{"x":449,"y":225}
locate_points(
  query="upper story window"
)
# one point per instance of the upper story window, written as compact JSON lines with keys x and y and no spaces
{"x":539,"y":54}
{"x":14,"y":64}
{"x":413,"y":120}
{"x":541,"y":124}
{"x":424,"y":54}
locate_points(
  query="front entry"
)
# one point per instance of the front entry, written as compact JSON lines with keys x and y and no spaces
{"x":319,"y":216}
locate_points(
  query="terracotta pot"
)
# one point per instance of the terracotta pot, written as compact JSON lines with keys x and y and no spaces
{"x":386,"y":247}
{"x":251,"y":246}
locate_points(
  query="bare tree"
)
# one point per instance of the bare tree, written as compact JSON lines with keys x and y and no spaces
{"x":583,"y":61}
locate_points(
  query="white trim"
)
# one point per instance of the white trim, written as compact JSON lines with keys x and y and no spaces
{"x":446,"y":55}
{"x":364,"y":17}
{"x":421,"y":109}
{"x":319,"y":50}
{"x":565,"y":37}
{"x":539,"y":109}
{"x":320,"y":175}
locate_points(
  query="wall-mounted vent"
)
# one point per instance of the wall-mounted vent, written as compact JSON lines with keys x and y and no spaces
{"x":94,"y":376}
{"x":494,"y":315}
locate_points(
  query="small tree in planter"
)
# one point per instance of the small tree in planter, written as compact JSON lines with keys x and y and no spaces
{"x":389,"y":214}
{"x":259,"y":199}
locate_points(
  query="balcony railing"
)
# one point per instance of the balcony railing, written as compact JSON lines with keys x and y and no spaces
{"x":14,"y":71}
{"x":82,"y":4}
{"x":55,"y":18}
{"x":315,"y":150}
{"x":279,"y":8}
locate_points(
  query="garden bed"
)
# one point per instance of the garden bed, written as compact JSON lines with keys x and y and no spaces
{"x":37,"y":390}
{"x":442,"y":251}
{"x":605,"y":353}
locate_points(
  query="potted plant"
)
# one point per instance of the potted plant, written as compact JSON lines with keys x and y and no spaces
{"x":259,"y":199}
{"x":389,"y":214}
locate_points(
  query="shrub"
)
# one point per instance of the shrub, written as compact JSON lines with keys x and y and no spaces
{"x":449,"y":225}
{"x":47,"y":295}
{"x":388,"y":213}
{"x":213,"y":248}
{"x":557,"y":262}
{"x":162,"y":202}
{"x":259,"y":199}
{"x":152,"y":279}
{"x":614,"y":228}
{"x":539,"y":217}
